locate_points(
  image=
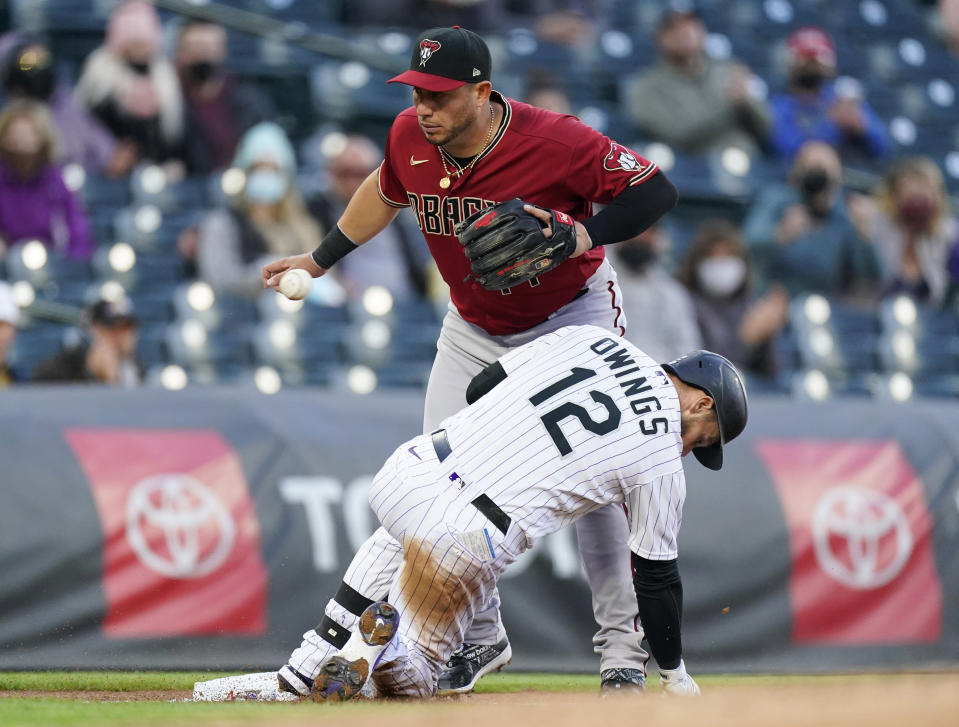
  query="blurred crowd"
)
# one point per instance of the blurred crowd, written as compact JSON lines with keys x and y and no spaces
{"x":138,"y":102}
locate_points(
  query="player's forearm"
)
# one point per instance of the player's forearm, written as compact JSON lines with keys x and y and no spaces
{"x":366,"y":215}
{"x":659,"y":596}
{"x":632,"y":211}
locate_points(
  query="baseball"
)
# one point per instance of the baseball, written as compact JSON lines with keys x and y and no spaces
{"x":295,"y":284}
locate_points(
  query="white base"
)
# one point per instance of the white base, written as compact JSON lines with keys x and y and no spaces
{"x":260,"y":687}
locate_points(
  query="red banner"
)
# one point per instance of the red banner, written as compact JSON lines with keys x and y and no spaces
{"x":863,"y":570}
{"x":181,"y":538}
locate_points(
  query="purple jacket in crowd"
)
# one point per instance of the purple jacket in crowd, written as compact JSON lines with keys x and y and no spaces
{"x":43,"y":209}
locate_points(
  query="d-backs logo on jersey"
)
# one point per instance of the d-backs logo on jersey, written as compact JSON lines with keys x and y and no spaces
{"x":621,"y":158}
{"x":427,"y":49}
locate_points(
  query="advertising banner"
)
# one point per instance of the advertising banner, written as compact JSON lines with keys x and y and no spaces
{"x":208,"y":529}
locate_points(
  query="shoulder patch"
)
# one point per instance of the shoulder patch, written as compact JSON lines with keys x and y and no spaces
{"x":620,"y":158}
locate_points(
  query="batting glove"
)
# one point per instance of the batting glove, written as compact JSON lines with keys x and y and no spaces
{"x":677,"y":682}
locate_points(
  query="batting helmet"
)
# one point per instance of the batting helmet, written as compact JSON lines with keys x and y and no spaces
{"x":715,"y":375}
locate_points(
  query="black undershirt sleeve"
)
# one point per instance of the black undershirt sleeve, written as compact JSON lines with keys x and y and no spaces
{"x":659,"y":596}
{"x":632,"y":211}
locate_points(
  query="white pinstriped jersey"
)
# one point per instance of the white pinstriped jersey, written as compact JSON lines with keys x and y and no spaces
{"x":582,"y":420}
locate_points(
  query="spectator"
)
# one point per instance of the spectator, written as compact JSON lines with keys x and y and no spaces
{"x":911,"y":228}
{"x":133,"y":89}
{"x":477,"y":15}
{"x":659,"y":311}
{"x":105,"y":353}
{"x":801,"y":236}
{"x":815,"y":107}
{"x":717,"y":271}
{"x":219,"y":109}
{"x":948,"y":24}
{"x":268,"y":218}
{"x":9,"y":320}
{"x":28,"y":73}
{"x":543,"y":90}
{"x":692,"y":103}
{"x":34,"y":200}
{"x":569,"y":23}
{"x":400,"y":259}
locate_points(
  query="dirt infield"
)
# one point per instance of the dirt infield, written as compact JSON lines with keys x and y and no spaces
{"x":893,"y":701}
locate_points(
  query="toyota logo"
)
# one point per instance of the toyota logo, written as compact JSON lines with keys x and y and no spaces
{"x":178,"y":527}
{"x":861,"y":537}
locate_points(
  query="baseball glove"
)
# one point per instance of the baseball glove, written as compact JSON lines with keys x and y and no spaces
{"x":505,"y":244}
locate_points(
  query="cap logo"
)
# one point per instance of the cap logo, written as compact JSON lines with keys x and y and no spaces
{"x":427,"y":49}
{"x":477,"y":72}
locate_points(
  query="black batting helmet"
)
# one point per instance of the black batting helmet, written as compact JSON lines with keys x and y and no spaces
{"x":715,"y":375}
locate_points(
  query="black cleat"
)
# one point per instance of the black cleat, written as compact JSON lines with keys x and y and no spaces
{"x":622,"y":680}
{"x":470,"y":663}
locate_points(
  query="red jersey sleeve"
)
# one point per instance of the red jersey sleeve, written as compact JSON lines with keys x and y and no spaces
{"x":600,"y":168}
{"x":388,"y":185}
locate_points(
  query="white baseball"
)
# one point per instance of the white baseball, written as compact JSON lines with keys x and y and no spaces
{"x":296,"y":283}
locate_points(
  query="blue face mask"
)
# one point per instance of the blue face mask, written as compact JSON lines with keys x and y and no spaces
{"x":265,"y":186}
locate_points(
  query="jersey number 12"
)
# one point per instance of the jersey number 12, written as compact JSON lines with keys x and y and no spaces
{"x":553,"y":417}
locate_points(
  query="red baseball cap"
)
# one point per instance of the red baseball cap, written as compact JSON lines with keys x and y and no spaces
{"x":446,"y":58}
{"x":810,"y":43}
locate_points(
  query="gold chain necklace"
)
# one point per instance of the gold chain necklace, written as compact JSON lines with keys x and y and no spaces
{"x":445,"y":181}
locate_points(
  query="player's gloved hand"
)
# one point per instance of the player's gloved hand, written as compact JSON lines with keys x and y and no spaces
{"x":677,"y":683}
{"x":507,"y":245}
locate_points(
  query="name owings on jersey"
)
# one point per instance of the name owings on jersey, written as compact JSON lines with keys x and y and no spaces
{"x":617,"y":356}
{"x":439,"y":215}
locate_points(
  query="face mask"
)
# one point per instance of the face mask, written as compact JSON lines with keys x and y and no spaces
{"x":141,"y":68}
{"x":720,"y":277}
{"x":813,"y":181}
{"x":808,"y":80}
{"x":202,"y":71}
{"x":917,"y":211}
{"x":636,"y":257}
{"x":36,"y":83}
{"x":266,"y":186}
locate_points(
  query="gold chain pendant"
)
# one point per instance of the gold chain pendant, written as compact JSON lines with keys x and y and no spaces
{"x":445,"y":182}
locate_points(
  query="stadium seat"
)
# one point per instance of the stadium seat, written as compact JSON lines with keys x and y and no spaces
{"x":36,"y":342}
{"x":151,"y":344}
{"x":99,"y":192}
{"x":838,"y":340}
{"x":224,"y":351}
{"x":278,"y":343}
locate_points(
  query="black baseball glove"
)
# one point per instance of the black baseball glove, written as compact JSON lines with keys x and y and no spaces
{"x":506,"y":246}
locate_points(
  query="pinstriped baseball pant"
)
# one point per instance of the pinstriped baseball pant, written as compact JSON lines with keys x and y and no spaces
{"x":452,"y":558}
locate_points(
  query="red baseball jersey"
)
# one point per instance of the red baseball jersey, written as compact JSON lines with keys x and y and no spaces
{"x":548,"y":159}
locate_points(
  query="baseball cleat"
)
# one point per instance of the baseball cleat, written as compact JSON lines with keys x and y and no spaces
{"x":470,"y":663}
{"x":622,"y":680}
{"x":341,"y":677}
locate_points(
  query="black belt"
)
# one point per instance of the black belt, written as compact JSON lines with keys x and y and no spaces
{"x":490,"y":509}
{"x":579,"y":295}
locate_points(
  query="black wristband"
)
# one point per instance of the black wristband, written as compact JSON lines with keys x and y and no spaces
{"x":334,"y":247}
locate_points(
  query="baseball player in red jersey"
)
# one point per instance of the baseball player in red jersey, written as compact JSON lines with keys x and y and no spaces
{"x":461,"y":147}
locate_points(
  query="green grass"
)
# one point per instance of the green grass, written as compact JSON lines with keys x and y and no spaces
{"x":33,"y":710}
{"x":114,"y":681}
